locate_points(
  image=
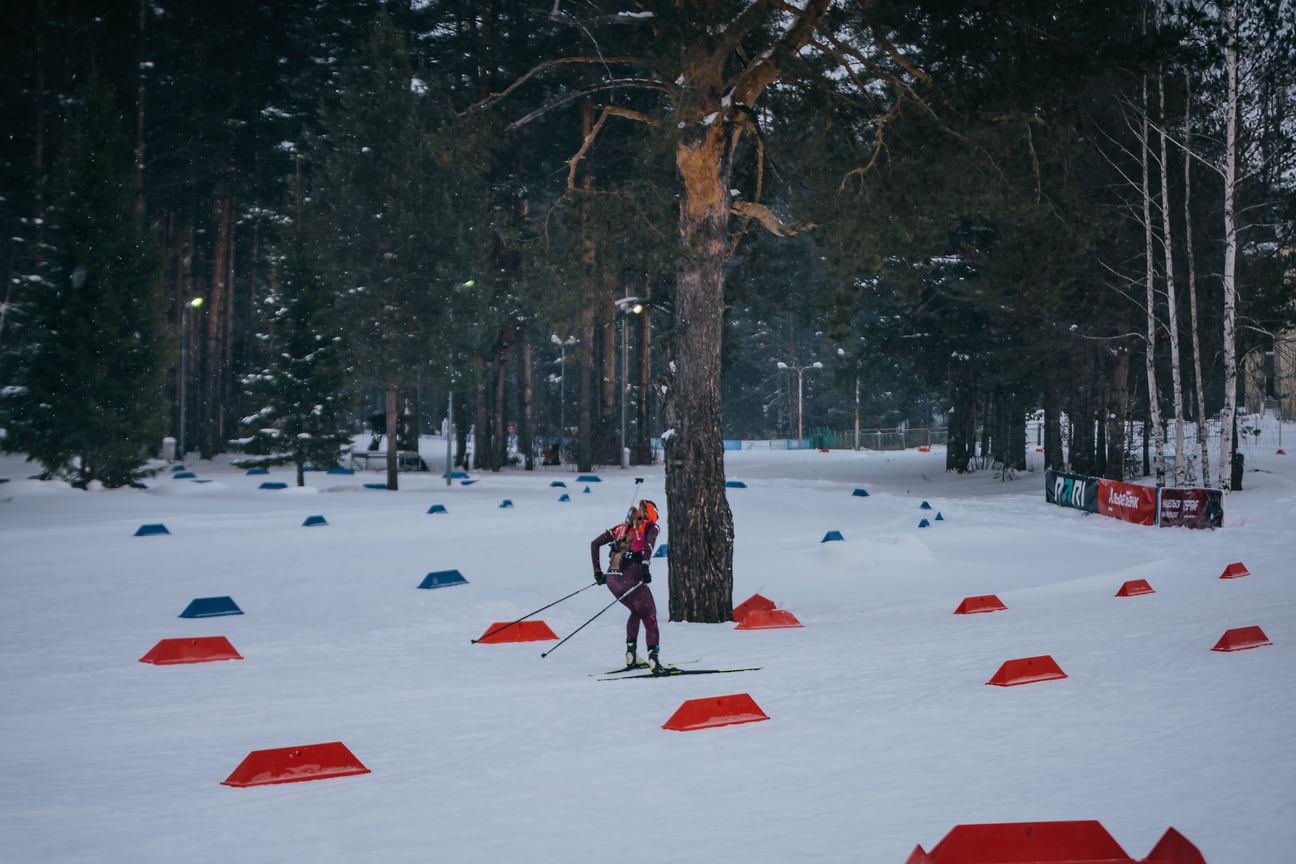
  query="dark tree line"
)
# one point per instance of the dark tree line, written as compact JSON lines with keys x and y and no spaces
{"x":470,"y":208}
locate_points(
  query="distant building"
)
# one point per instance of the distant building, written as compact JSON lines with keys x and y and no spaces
{"x":1269,"y":377}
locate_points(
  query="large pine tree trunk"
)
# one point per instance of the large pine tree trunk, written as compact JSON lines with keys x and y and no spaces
{"x":525,"y":375}
{"x":216,"y":368}
{"x":393,"y":433}
{"x":585,"y":374}
{"x":499,"y":424}
{"x":607,"y":426}
{"x":961,"y":443}
{"x":699,"y":520}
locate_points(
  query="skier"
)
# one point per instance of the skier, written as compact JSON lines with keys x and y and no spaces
{"x":628,"y":576}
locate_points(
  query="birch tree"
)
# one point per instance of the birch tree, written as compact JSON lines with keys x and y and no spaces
{"x":1229,"y":276}
{"x":1167,"y":244}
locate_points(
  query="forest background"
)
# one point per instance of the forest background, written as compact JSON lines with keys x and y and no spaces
{"x":257,"y":225}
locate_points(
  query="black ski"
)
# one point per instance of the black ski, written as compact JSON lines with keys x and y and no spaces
{"x":642,"y":664}
{"x":672,"y":672}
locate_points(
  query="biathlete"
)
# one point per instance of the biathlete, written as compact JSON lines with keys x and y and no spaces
{"x":627,"y":577}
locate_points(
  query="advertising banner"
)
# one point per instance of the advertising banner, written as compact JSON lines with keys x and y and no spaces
{"x":1192,"y":508}
{"x":1071,"y":490}
{"x":1137,"y":504}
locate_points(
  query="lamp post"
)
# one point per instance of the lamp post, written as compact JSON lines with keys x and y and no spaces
{"x":562,"y":387}
{"x":626,"y":306}
{"x":800,"y":370}
{"x":195,"y":303}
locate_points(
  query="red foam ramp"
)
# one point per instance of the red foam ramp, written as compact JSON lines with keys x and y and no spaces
{"x":752,"y":604}
{"x":1134,"y":587}
{"x":295,"y":764}
{"x":1174,"y":848}
{"x":979,"y":603}
{"x":1027,"y":670}
{"x":715,"y":711}
{"x":1241,"y":638}
{"x":1082,"y":842}
{"x":523,"y":631}
{"x":203,"y":649}
{"x":1235,"y":570}
{"x":768,"y":619}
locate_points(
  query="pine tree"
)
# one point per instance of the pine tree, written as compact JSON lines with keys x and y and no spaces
{"x":85,"y":399}
{"x":399,"y":186}
{"x":301,"y":394}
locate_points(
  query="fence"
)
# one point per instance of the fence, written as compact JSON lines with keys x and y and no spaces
{"x":869,"y":439}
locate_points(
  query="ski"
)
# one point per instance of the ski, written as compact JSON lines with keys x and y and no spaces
{"x":642,"y":664}
{"x":673,"y":672}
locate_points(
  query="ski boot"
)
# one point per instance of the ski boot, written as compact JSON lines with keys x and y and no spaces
{"x":654,"y":662}
{"x":632,"y":656}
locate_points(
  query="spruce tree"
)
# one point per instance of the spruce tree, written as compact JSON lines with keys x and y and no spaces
{"x":301,"y":394}
{"x":85,"y":394}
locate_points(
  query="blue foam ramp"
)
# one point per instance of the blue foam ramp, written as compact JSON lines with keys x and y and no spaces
{"x":442,"y":578}
{"x":375,"y":485}
{"x":437,"y":508}
{"x":314,"y":520}
{"x":924,"y":506}
{"x":183,"y":475}
{"x":735,"y":484}
{"x":457,"y":475}
{"x":340,"y":470}
{"x":211,"y":607}
{"x":155,"y":528}
{"x":661,"y":551}
{"x":832,"y":535}
{"x":558,"y":483}
{"x":588,"y":478}
{"x":924,"y":524}
{"x":506,"y":503}
{"x":273,"y":484}
{"x":860,"y":493}
{"x":564,"y":497}
{"x":257,"y":471}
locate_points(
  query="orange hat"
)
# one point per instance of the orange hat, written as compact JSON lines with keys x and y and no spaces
{"x":648,"y":510}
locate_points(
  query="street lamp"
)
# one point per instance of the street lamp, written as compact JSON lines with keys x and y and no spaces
{"x":800,"y":370}
{"x":195,"y":303}
{"x":626,"y":306}
{"x":450,"y":436}
{"x":562,"y":387}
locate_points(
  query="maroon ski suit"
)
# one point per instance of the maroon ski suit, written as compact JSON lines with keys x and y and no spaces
{"x":640,"y":600}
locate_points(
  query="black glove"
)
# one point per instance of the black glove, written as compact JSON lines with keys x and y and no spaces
{"x":599,"y":577}
{"x":644,"y":574}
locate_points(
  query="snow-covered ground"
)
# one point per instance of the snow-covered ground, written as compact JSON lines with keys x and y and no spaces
{"x":882,"y":732}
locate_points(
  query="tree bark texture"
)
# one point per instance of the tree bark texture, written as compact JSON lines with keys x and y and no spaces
{"x":700,"y":522}
{"x":392,"y":421}
{"x":1224,"y":469}
{"x":525,"y":377}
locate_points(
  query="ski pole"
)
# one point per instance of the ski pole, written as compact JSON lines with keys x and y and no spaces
{"x":597,"y":614}
{"x":633,"y":490}
{"x":529,"y":614}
